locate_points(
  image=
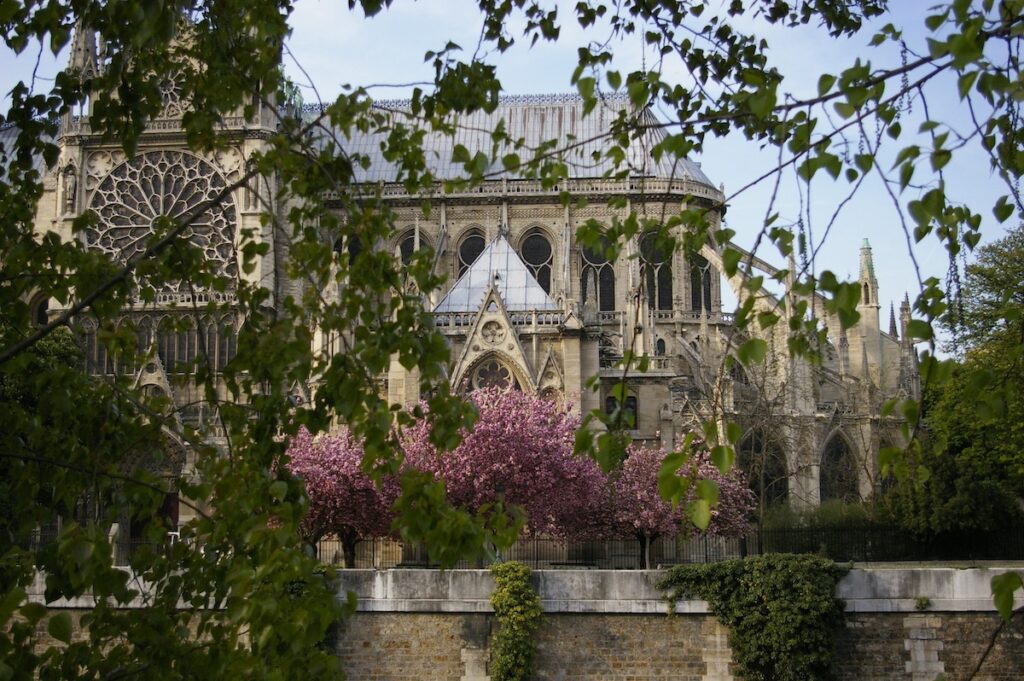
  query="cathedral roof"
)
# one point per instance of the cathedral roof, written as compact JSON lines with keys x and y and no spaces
{"x":500,"y":265}
{"x":533,"y":119}
{"x":8,"y":136}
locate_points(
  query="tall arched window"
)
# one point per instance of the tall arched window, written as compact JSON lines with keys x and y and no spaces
{"x":597,"y":277}
{"x":227,"y":343}
{"x":406,"y":247}
{"x":352,"y":245}
{"x":537,"y":254}
{"x":656,"y":266}
{"x":40,"y":307}
{"x":837,"y":478}
{"x":627,"y":418}
{"x":765,"y":466}
{"x":176,"y":346}
{"x":470,"y":248}
{"x":700,"y":283}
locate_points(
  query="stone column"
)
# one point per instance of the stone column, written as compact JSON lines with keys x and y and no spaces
{"x":923,"y":643}
{"x":716,"y":655}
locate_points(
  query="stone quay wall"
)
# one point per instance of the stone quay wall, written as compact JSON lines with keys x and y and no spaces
{"x":613,"y":626}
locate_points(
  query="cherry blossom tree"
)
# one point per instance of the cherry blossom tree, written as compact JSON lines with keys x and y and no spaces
{"x":638,"y":509}
{"x":343,"y":499}
{"x":519,"y":452}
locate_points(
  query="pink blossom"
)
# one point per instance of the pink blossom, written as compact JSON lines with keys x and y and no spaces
{"x":521,"y":451}
{"x":343,"y":500}
{"x":638,"y":508}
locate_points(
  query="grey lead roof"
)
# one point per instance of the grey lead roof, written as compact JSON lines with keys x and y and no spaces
{"x":534,"y":119}
{"x":8,"y":136}
{"x":499,"y":264}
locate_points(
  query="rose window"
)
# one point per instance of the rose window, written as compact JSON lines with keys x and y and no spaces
{"x":493,"y":374}
{"x":164,"y":183}
{"x":171,"y":96}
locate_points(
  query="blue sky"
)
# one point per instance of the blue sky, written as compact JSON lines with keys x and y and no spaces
{"x":336,"y":47}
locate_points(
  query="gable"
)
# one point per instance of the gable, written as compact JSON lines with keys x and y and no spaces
{"x":499,"y":266}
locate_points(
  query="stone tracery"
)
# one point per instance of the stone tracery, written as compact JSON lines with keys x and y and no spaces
{"x":164,"y":184}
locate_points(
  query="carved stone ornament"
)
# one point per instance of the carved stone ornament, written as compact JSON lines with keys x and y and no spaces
{"x":174,"y":103}
{"x":164,"y":183}
{"x":492,"y":332}
{"x":493,"y":374}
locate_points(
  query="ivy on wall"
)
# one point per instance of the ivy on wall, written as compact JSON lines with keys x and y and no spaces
{"x":517,"y":609}
{"x":780,"y":609}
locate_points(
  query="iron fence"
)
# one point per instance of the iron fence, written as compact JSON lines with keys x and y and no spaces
{"x":874,"y":544}
{"x":870,"y":544}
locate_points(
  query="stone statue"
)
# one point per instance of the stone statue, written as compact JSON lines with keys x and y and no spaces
{"x":70,"y":188}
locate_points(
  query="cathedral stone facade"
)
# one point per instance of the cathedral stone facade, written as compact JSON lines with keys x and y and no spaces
{"x":524,"y":304}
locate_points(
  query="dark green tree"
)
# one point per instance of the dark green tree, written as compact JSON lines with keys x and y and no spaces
{"x":967,"y":474}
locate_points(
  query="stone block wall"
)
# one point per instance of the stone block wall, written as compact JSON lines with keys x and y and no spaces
{"x":613,"y":626}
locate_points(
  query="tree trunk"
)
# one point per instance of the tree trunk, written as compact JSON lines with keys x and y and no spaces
{"x":348,"y":548}
{"x":645,"y":550}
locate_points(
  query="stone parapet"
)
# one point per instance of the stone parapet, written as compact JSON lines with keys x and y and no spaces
{"x":875,"y":589}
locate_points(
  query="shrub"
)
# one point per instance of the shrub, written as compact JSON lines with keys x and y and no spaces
{"x":780,"y":609}
{"x":517,"y":609}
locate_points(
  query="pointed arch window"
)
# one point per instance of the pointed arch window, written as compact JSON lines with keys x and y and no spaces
{"x":837,"y":478}
{"x":627,"y":418}
{"x":351,"y":245}
{"x":597,"y":277}
{"x":765,"y":466}
{"x":40,"y":307}
{"x":656,"y":268}
{"x":176,"y":345}
{"x":537,"y":253}
{"x":97,"y":360}
{"x":700,"y":283}
{"x":227,"y":343}
{"x":470,"y":248}
{"x":406,"y":248}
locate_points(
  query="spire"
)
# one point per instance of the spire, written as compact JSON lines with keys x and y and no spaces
{"x":905,"y":318}
{"x":868,"y":283}
{"x":867,"y":262}
{"x":83,"y":59}
{"x":893,"y":331}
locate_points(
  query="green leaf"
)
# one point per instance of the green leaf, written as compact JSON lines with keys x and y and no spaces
{"x":1004,"y":587}
{"x":752,"y":352}
{"x":708,"y":491}
{"x":918,"y":328}
{"x":845,"y":109}
{"x":825,"y":83}
{"x":278,"y":490}
{"x":700,"y":513}
{"x":1003,"y":209}
{"x":733,"y":432}
{"x":731,"y":261}
{"x":59,"y":627}
{"x":965,"y":82}
{"x":723,"y":456}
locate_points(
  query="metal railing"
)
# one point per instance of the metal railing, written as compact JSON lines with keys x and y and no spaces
{"x":873,"y":544}
{"x":869,"y":544}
